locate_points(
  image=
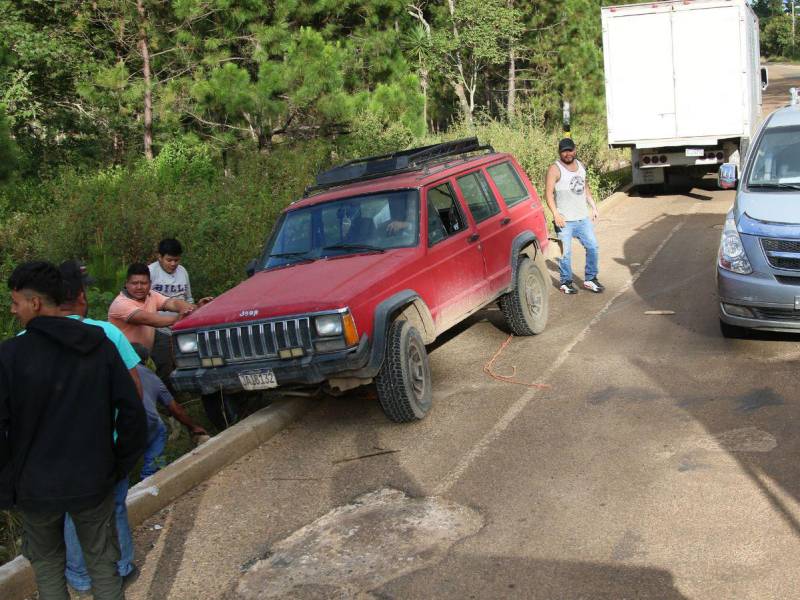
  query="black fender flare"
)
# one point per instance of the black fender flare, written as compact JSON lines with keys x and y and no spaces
{"x":386,"y":312}
{"x":523,"y":240}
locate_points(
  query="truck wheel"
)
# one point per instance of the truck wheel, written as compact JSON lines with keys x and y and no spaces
{"x":404,"y":381}
{"x":525,"y":307}
{"x":223,"y":410}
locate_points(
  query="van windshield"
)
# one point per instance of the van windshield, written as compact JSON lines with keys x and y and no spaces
{"x":371,"y":223}
{"x":776,"y":161}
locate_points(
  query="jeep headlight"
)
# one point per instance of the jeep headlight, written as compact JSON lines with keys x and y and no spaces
{"x":732,"y":255}
{"x":187,"y":343}
{"x":328,"y":325}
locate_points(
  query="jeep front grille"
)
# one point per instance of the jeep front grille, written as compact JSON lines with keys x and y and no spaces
{"x":255,"y":340}
{"x":782,"y":254}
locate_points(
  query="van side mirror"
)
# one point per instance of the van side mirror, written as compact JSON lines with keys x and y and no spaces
{"x":764,"y":78}
{"x":726,"y":178}
{"x":250,"y":269}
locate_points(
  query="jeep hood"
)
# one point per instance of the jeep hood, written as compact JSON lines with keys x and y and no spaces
{"x":324,"y":284}
{"x":769,"y":207}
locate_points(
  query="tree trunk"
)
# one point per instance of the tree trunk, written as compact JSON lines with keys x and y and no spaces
{"x":511,"y":105}
{"x":458,"y":84}
{"x":148,"y":85}
{"x":423,"y":82}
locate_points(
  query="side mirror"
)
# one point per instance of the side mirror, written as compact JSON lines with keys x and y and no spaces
{"x":764,"y":78}
{"x":250,"y":269}
{"x":726,"y":178}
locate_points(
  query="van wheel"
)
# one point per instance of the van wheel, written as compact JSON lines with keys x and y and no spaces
{"x":404,"y":381}
{"x":525,"y":307}
{"x":224,"y":410}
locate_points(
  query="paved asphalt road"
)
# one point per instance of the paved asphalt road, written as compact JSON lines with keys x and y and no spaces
{"x":659,"y":460}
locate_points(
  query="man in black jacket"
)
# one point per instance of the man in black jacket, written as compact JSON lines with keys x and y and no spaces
{"x":61,"y":385}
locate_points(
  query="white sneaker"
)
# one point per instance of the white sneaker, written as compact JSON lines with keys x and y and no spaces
{"x":594,"y":286}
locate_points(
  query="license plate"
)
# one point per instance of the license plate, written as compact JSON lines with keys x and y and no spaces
{"x":258,"y":380}
{"x":695,"y":152}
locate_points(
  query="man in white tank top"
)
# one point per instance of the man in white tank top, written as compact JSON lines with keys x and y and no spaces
{"x":569,"y":199}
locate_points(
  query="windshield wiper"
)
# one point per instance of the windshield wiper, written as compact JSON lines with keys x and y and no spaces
{"x":294,"y":257}
{"x":288,"y":254}
{"x":775,"y":186}
{"x":364,"y":247}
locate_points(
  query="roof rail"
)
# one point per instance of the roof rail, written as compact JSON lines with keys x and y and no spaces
{"x":383,"y":165}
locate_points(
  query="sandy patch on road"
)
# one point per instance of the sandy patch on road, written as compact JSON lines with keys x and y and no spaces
{"x":360,"y":546}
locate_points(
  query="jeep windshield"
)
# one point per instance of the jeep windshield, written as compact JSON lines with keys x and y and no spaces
{"x":355,"y":225}
{"x":776,"y":162}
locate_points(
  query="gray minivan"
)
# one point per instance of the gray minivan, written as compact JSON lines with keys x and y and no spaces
{"x":758,"y":264}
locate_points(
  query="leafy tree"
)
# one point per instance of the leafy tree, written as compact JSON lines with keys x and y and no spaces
{"x":776,"y":38}
{"x":768,"y":8}
{"x":9,"y":153}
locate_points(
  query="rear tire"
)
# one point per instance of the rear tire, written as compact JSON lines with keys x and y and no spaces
{"x":526,"y":306}
{"x":404,"y":381}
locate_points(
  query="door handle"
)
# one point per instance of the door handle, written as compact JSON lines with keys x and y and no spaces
{"x":505,"y":221}
{"x":473,"y":238}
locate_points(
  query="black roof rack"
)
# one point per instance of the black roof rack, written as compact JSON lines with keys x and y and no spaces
{"x":404,"y":161}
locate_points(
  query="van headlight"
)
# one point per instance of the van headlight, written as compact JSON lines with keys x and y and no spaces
{"x":732,"y":256}
{"x":187,"y":343}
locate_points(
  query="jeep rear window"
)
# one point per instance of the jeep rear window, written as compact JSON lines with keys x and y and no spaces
{"x":375,"y":222}
{"x":508,"y":183}
{"x":479,"y":197}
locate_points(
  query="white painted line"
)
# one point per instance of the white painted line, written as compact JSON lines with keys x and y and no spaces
{"x":483,"y":444}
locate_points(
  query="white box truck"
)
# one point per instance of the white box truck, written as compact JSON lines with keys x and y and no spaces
{"x":683,"y":85}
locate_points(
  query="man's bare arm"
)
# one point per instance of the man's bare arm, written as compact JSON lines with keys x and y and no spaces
{"x":177,"y":411}
{"x":591,"y":201}
{"x":179,"y":306}
{"x":550,"y":181}
{"x":152,"y":319}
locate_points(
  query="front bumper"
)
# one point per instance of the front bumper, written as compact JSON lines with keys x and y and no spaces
{"x":309,"y":370}
{"x":775,"y":306}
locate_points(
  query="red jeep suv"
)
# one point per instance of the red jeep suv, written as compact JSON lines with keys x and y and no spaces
{"x":379,"y":258}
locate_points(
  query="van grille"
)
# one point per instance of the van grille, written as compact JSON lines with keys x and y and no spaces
{"x":776,"y":314}
{"x":255,"y":340}
{"x":782,"y":254}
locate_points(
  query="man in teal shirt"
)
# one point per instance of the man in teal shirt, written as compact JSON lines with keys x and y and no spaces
{"x":76,"y":306}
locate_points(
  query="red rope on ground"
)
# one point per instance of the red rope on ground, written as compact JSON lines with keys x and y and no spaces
{"x":487,"y":368}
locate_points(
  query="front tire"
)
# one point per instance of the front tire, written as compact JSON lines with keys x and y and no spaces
{"x":526,"y":306}
{"x":404,"y":381}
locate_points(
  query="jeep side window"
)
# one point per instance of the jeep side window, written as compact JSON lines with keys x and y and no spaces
{"x":479,"y":197}
{"x":444,"y":216}
{"x":508,"y":183}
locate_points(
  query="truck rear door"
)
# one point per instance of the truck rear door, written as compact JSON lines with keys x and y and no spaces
{"x":709,"y":79}
{"x":639,"y":78}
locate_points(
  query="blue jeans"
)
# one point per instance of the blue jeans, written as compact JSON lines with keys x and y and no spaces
{"x":155,"y":447}
{"x":584,"y":231}
{"x":76,"y":572}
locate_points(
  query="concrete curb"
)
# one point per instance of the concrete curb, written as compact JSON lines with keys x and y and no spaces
{"x":157,"y":491}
